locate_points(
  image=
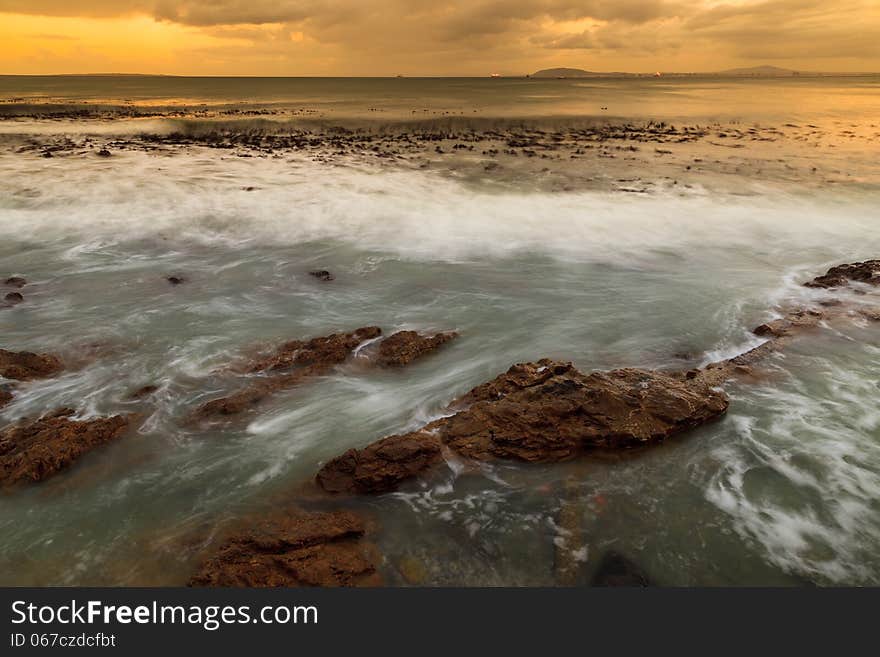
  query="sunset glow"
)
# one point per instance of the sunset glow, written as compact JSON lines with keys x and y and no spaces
{"x":231,"y":37}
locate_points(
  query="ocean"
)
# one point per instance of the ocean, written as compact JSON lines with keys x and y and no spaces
{"x":612,"y":223}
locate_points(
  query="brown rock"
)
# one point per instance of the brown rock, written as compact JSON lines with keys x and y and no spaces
{"x":537,"y":412}
{"x":383,"y":465}
{"x":872,"y":314}
{"x":175,"y":280}
{"x":15,"y":281}
{"x":13,"y":298}
{"x":404,"y":347}
{"x":777,"y":328}
{"x":33,"y":451}
{"x":327,"y":350}
{"x":5,"y":395}
{"x":289,"y":365}
{"x":841,"y":275}
{"x":293,"y":549}
{"x":24,"y":365}
{"x":798,"y":319}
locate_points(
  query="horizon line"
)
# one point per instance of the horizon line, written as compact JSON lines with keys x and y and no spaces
{"x":793,"y":73}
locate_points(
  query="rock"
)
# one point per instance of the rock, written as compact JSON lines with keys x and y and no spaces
{"x":537,"y":412}
{"x":798,"y":319}
{"x":15,"y":281}
{"x":33,"y":451}
{"x":25,"y":366}
{"x":104,"y":153}
{"x":289,"y":365}
{"x":872,"y":314}
{"x":14,"y":298}
{"x":322,"y":275}
{"x":175,"y":280}
{"x":142,"y":392}
{"x":404,"y":347}
{"x":383,"y":465}
{"x":5,"y":395}
{"x":326,"y":350}
{"x":413,"y":570}
{"x":293,"y":549}
{"x":841,"y":275}
{"x":616,"y":570}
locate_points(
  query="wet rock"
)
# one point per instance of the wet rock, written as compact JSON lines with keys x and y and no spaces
{"x":383,"y":465}
{"x":404,"y":347}
{"x":288,"y":366}
{"x":872,"y":314}
{"x":33,"y":451}
{"x":5,"y":395}
{"x":294,"y":549}
{"x":413,"y":571}
{"x":322,"y":275}
{"x":326,"y":350}
{"x":801,"y":318}
{"x":25,"y":365}
{"x":144,"y":391}
{"x":175,"y":280}
{"x":616,"y":570}
{"x":15,"y":281}
{"x":841,"y":275}
{"x":537,"y":412}
{"x":103,"y":153}
{"x":13,"y":298}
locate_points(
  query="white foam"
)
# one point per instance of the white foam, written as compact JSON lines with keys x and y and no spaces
{"x":91,"y":202}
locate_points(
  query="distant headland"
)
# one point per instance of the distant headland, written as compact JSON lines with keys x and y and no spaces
{"x":764,"y":71}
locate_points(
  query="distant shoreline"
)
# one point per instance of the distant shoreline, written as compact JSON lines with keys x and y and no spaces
{"x":595,"y":76}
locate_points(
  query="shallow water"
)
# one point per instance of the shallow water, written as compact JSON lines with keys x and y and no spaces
{"x":783,"y":490}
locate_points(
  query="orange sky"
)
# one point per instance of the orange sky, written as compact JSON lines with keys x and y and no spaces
{"x":439,"y":37}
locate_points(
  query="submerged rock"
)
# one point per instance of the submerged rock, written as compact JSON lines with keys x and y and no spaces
{"x":538,"y":412}
{"x":15,"y":281}
{"x":143,"y":391}
{"x":33,"y":451}
{"x":175,"y":280}
{"x":5,"y":395}
{"x":404,"y":347}
{"x":841,"y":275}
{"x":322,"y":275}
{"x":13,"y":298}
{"x":294,"y":549}
{"x":25,"y":365}
{"x":616,"y":570}
{"x":288,"y":366}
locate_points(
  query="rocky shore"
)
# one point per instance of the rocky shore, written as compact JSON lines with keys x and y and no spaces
{"x":549,"y":411}
{"x":554,"y":154}
{"x":536,"y":412}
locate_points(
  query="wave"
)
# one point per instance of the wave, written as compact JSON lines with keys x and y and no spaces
{"x":201,"y":197}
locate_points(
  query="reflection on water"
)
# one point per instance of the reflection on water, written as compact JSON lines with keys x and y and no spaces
{"x":704,"y":98}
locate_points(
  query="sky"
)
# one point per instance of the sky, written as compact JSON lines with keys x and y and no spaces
{"x":433,"y":37}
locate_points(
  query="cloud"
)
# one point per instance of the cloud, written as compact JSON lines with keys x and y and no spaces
{"x":473,"y":36}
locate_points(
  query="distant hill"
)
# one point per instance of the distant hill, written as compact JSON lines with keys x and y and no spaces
{"x":573,"y":73}
{"x":760,"y":71}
